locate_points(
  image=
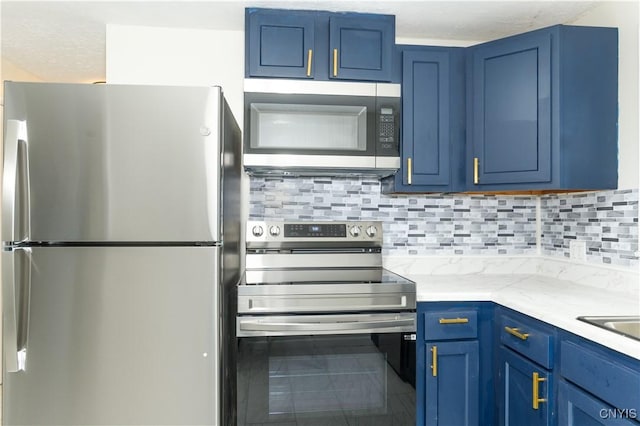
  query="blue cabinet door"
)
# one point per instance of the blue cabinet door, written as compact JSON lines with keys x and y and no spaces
{"x":433,"y":121}
{"x":516,"y":396}
{"x":361,"y":46}
{"x":511,"y":103}
{"x":425,"y":119}
{"x":452,"y":390}
{"x":462,"y":390}
{"x":578,"y":408}
{"x":279,"y":43}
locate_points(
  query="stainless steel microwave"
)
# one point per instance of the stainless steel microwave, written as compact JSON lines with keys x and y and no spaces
{"x":316,"y":128}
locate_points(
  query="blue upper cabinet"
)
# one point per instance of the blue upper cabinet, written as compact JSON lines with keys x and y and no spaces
{"x":433,"y":112}
{"x":280,"y":43}
{"x":361,"y":46}
{"x":512,"y":102}
{"x":318,"y":45}
{"x":542,"y":111}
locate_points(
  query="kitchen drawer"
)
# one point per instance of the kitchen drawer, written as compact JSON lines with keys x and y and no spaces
{"x":451,"y":325}
{"x":610,"y":381}
{"x":528,"y":338}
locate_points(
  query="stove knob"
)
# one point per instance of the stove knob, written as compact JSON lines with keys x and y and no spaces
{"x":274,"y":231}
{"x":257,"y":231}
{"x":354,"y":231}
{"x":372,"y":231}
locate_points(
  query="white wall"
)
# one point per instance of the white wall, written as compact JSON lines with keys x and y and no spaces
{"x":170,"y":56}
{"x":624,"y":16}
{"x":11,"y":71}
{"x":436,"y":42}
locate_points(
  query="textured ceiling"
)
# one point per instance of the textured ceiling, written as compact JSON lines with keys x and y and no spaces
{"x":65,"y":41}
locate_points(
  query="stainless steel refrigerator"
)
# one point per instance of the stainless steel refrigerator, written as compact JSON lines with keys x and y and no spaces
{"x":121,"y":230}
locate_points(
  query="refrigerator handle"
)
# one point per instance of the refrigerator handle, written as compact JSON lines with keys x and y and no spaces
{"x":10,"y":313}
{"x":16,"y":186}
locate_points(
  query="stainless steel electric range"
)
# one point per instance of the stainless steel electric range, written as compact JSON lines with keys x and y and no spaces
{"x":325,"y":334}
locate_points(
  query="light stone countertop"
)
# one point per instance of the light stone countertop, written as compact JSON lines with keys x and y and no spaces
{"x":541,"y":291}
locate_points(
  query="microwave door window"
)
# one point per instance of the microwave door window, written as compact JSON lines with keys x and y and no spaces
{"x":295,"y":127}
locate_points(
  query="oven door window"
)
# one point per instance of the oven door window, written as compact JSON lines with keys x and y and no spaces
{"x":332,"y":380}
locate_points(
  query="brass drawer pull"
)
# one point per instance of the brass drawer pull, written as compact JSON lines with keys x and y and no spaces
{"x":335,"y":62}
{"x":536,"y":390}
{"x":516,"y":332}
{"x":453,"y":320}
{"x":434,"y":361}
{"x":309,"y":58}
{"x":409,"y":171}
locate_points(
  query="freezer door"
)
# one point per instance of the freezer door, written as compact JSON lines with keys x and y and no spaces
{"x":115,"y":336}
{"x":117,"y":162}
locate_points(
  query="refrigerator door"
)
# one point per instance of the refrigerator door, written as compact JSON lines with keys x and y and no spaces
{"x":118,"y":335}
{"x":117,"y":163}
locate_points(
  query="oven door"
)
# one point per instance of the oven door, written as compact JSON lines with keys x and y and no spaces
{"x":360,"y":375}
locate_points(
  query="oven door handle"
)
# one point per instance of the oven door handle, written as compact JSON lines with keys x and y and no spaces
{"x":335,"y":303}
{"x":335,"y":325}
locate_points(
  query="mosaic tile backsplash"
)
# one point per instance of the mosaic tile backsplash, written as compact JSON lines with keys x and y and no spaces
{"x":412,"y":224}
{"x":607,"y":221}
{"x":462,"y":224}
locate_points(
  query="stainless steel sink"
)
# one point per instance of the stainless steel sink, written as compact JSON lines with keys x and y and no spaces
{"x":627,"y":325}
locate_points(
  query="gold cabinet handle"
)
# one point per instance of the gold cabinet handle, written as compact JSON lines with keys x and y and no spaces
{"x":516,"y":332}
{"x":476,"y":164}
{"x":453,"y":320}
{"x":309,"y":58}
{"x":335,"y":62}
{"x":434,"y":361}
{"x":409,"y":172}
{"x":536,"y":390}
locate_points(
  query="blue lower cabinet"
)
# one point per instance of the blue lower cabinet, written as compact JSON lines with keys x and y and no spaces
{"x":599,"y":386}
{"x":579,"y":408}
{"x":452,"y":383}
{"x":454,"y":364}
{"x":524,"y":391}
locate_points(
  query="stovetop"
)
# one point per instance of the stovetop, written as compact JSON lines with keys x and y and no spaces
{"x":321,"y":267}
{"x":344,"y":276}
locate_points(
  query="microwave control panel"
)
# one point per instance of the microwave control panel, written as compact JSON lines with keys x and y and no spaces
{"x":388,"y":128}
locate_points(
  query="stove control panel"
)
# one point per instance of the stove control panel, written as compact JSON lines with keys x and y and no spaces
{"x":319,"y":230}
{"x":301,"y":232}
